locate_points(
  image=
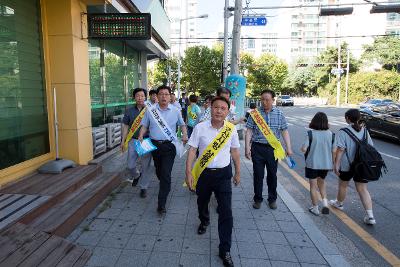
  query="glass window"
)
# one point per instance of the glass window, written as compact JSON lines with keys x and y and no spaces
{"x":24,"y":132}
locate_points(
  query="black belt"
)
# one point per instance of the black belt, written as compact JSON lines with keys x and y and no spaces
{"x":218,"y":169}
{"x":161,"y":141}
{"x":261,"y":144}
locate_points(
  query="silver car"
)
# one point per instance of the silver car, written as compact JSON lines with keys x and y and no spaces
{"x":284,"y":100}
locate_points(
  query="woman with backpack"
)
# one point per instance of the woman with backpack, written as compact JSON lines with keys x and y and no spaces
{"x":345,"y":156}
{"x":319,"y":151}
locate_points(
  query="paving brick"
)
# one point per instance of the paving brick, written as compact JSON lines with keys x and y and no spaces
{"x":100,"y":224}
{"x":196,"y":246}
{"x":299,"y":239}
{"x":168,"y":244}
{"x":277,"y":238}
{"x":290,"y":227}
{"x":110,"y":213}
{"x":133,"y":258}
{"x":141,"y":242}
{"x":280,"y":253}
{"x":254,"y":262}
{"x":159,"y":258}
{"x":104,"y":257}
{"x":90,"y":238}
{"x":194,"y":260}
{"x":123,"y":226}
{"x":147,"y":228}
{"x":114,"y":240}
{"x":252,"y":250}
{"x":175,"y":230}
{"x":246,"y":235}
{"x":309,"y":255}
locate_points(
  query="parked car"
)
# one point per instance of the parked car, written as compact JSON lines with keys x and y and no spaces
{"x":374,"y":102}
{"x":383,"y":120}
{"x":284,"y":100}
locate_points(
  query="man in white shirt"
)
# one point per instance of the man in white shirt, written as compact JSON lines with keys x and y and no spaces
{"x":217,"y":175}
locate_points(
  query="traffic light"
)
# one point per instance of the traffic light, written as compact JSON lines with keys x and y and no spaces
{"x":318,"y":65}
{"x":335,"y":11}
{"x":389,"y":8}
{"x":302,"y":65}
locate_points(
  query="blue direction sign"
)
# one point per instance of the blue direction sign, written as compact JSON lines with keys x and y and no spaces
{"x":254,"y":21}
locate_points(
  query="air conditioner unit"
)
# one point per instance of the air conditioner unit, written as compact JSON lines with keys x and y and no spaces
{"x":99,"y":140}
{"x":114,"y":134}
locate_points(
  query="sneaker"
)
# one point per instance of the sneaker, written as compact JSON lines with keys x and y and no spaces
{"x":314,"y":210}
{"x":325,"y":210}
{"x":336,"y":204}
{"x":369,"y":220}
{"x":143,"y":193}
{"x":226,"y":259}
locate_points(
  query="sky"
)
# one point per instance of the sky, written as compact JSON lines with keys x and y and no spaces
{"x":215,"y":9}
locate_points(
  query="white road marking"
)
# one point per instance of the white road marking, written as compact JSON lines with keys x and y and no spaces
{"x":390,"y":156}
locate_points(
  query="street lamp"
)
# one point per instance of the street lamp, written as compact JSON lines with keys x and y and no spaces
{"x":336,"y":11}
{"x":179,"y":52}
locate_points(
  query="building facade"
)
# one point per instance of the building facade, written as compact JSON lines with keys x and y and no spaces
{"x":45,"y":49}
{"x":178,"y":10}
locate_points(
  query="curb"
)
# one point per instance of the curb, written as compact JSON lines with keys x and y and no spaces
{"x":327,"y":249}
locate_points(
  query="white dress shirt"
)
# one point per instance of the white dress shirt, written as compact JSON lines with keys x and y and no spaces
{"x":203,"y":134}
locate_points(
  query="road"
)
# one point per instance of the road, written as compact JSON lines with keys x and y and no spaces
{"x":385,"y":193}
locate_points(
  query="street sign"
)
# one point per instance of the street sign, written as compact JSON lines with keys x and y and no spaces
{"x":337,"y":71}
{"x":126,"y":26}
{"x":254,"y":21}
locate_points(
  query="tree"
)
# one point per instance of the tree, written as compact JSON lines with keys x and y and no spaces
{"x":246,"y":60}
{"x":268,"y":71}
{"x":301,"y":81}
{"x":385,"y":50}
{"x":159,"y":75}
{"x":201,"y":68}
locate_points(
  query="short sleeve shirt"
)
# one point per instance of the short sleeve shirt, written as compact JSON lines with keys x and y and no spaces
{"x":177,"y":105}
{"x":172,"y":117}
{"x":129,"y":116}
{"x":320,"y":155}
{"x":275,"y":120}
{"x":344,"y":141}
{"x":203,"y":134}
{"x":195,"y":109}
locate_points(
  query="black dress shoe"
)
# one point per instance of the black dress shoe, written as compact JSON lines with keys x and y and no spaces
{"x":136,"y":180}
{"x":226,"y":259}
{"x":161,"y":210}
{"x":143,"y":193}
{"x":202,"y":228}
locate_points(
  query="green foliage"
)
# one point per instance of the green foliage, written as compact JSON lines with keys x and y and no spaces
{"x":159,"y":75}
{"x":201,"y":68}
{"x":246,"y":60}
{"x":268,"y":71}
{"x":385,"y":50}
{"x":302,"y":81}
{"x":382,"y":84}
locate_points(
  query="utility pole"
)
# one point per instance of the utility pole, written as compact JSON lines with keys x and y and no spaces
{"x":339,"y":71}
{"x":225,"y":64}
{"x":237,"y":19}
{"x":347,"y":76}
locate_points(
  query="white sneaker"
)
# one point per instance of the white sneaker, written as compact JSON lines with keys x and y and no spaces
{"x":369,"y":220}
{"x":336,"y":204}
{"x":314,"y":210}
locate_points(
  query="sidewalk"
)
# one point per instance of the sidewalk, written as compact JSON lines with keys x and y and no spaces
{"x":129,"y":231}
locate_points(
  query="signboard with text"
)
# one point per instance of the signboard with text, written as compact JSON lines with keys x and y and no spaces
{"x":254,"y":21}
{"x":128,"y":26}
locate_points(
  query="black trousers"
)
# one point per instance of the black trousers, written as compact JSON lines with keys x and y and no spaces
{"x":163,"y":158}
{"x":219,"y":182}
{"x":262,"y":156}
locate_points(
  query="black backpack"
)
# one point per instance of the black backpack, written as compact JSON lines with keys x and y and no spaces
{"x":309,"y":133}
{"x":368,"y":162}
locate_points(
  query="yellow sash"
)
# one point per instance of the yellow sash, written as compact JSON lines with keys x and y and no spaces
{"x":192,"y":114}
{"x":211,"y":151}
{"x":279,"y":152}
{"x":135,"y":126}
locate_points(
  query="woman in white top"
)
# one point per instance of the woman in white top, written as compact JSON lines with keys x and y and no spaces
{"x":319,"y":154}
{"x":346,"y":150}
